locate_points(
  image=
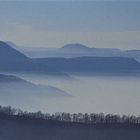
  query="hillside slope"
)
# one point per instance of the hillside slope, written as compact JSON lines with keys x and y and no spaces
{"x":93,"y":64}
{"x":12,"y":60}
{"x":22,"y":128}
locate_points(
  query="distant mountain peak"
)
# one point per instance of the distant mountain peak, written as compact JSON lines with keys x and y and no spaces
{"x":75,"y":46}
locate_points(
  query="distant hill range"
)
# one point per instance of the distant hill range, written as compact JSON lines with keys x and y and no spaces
{"x":112,"y":65}
{"x":12,"y":60}
{"x":77,"y":50}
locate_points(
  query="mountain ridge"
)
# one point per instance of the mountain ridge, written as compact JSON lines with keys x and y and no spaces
{"x":12,"y":60}
{"x":85,"y":51}
{"x":75,"y":47}
{"x":7,"y":50}
{"x":62,"y":66}
{"x":93,"y":64}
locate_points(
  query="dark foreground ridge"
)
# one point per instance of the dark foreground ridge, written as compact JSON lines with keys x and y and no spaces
{"x":18,"y":125}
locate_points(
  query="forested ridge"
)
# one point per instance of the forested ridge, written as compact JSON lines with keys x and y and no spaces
{"x":92,"y":118}
{"x":16,"y":124}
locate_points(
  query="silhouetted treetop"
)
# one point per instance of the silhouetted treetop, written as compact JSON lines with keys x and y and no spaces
{"x":92,"y":118}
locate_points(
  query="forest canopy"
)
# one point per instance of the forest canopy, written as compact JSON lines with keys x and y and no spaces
{"x":92,"y":118}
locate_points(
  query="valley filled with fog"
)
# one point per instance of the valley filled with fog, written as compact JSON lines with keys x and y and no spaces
{"x":83,"y":84}
{"x":70,"y":70}
{"x":108,"y":94}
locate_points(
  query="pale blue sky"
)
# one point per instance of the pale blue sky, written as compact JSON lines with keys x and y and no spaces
{"x":55,"y":23}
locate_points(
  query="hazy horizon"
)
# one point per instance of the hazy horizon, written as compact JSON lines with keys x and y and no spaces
{"x":69,"y":69}
{"x":52,"y":24}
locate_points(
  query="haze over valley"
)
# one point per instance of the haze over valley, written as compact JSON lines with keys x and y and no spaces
{"x":76,"y":84}
{"x":70,"y":70}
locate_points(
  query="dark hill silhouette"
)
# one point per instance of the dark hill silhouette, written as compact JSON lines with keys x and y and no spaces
{"x":9,"y":54}
{"x":12,"y":60}
{"x":33,"y":129}
{"x":93,"y":64}
{"x":18,"y":125}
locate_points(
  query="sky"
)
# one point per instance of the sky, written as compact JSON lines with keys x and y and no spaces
{"x":111,"y":24}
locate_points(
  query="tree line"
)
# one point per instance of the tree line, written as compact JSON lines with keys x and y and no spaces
{"x":92,"y":118}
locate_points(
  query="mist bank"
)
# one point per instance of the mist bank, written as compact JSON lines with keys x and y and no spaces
{"x":14,"y":86}
{"x":114,"y":94}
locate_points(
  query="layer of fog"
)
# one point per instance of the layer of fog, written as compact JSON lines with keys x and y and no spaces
{"x":89,"y":94}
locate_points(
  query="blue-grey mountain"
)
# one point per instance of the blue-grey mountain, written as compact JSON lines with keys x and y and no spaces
{"x":93,"y":64}
{"x":12,"y":60}
{"x":77,"y":50}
